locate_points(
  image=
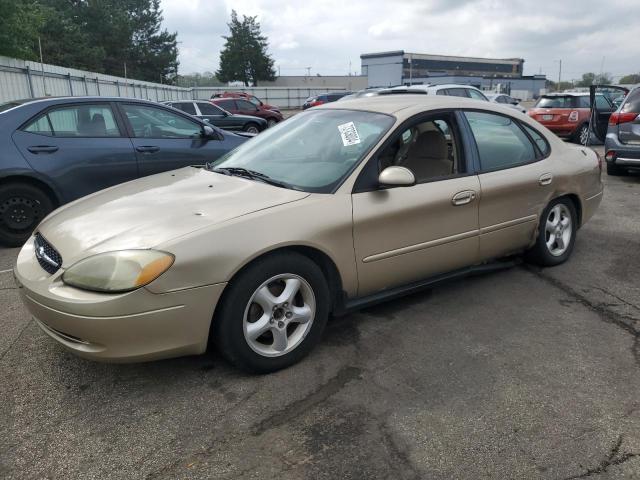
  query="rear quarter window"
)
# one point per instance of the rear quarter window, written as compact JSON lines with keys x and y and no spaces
{"x":632,"y":102}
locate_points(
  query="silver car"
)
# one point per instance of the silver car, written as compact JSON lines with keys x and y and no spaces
{"x":622,"y":143}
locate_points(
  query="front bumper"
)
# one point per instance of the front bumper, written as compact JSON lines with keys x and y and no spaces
{"x":127,"y":327}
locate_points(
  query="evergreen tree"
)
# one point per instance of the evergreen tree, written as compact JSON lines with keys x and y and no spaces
{"x":244,"y":56}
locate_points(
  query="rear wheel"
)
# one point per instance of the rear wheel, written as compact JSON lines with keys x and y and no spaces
{"x":582,"y":135}
{"x":22,"y":207}
{"x":556,"y":234}
{"x":251,"y":128}
{"x":273,"y":313}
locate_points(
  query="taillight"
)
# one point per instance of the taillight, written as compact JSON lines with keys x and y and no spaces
{"x":610,"y":155}
{"x":617,"y":118}
{"x":573,"y":116}
{"x":315,"y":103}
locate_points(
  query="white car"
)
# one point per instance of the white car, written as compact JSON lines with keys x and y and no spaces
{"x":452,"y":90}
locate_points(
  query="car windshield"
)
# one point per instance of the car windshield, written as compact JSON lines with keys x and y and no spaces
{"x":556,"y":102}
{"x":313,"y":151}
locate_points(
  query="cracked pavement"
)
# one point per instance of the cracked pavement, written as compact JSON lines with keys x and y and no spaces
{"x":523,"y":373}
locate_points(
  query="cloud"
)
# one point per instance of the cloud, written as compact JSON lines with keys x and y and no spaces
{"x":327,"y":35}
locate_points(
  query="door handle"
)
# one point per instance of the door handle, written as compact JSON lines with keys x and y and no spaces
{"x":42,"y":149}
{"x":462,"y":198}
{"x":545,"y":179}
{"x":148,"y":149}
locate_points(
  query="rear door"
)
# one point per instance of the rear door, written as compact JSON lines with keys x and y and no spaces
{"x":515,"y":180}
{"x":165,"y":140}
{"x":601,"y":108}
{"x":82,"y":147}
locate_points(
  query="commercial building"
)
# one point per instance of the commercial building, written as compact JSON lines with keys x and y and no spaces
{"x":387,"y":69}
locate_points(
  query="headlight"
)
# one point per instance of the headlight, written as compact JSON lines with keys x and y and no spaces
{"x":120,"y":271}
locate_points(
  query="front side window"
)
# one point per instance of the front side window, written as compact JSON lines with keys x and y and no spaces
{"x":428,"y":148}
{"x":152,"y":122}
{"x":500,"y":140}
{"x":476,"y":95}
{"x":209,"y":109}
{"x":186,"y":107}
{"x":313,"y":151}
{"x":84,"y":120}
{"x":602,"y":103}
{"x":244,"y":105}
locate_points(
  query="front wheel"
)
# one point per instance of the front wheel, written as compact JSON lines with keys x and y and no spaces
{"x":556,"y":234}
{"x":251,"y":128}
{"x":271,"y":122}
{"x":22,"y":207}
{"x":273,"y":313}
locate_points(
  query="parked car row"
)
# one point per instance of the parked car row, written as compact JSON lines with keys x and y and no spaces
{"x":322,"y":215}
{"x":214,"y":114}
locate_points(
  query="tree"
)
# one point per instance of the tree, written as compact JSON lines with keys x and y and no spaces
{"x":591,"y":78}
{"x":96,"y":35}
{"x":244,"y":56}
{"x":20,"y":22}
{"x":630,"y":79}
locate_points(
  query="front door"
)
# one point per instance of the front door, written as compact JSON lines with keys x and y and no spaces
{"x":405,"y":234}
{"x":80,"y":147}
{"x":165,"y":140}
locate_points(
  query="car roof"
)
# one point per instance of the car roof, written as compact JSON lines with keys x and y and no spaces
{"x":82,"y":99}
{"x":404,"y":106}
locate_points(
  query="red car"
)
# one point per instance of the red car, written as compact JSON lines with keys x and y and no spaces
{"x":567,"y":114}
{"x":246,"y":104}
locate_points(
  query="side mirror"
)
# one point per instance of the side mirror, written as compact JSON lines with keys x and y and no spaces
{"x":396,"y":177}
{"x":208,"y":132}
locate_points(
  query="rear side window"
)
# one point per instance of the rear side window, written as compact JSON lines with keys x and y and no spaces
{"x":244,"y":105}
{"x":83,"y":120}
{"x":632,"y":102}
{"x":542,"y":144}
{"x":209,"y":109}
{"x":501,"y":142}
{"x":227,"y":104}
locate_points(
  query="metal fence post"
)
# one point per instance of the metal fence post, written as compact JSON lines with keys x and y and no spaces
{"x":86,"y":87}
{"x":30,"y":82}
{"x":118,"y":87}
{"x":98,"y":86}
{"x":70,"y":84}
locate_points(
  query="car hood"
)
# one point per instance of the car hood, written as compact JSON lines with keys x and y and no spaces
{"x":152,"y":210}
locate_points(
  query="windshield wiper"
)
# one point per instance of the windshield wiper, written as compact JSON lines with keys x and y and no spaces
{"x":251,"y":174}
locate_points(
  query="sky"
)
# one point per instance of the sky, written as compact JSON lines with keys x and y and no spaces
{"x":330,"y":35}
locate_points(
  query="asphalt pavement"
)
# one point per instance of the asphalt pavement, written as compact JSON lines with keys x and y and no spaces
{"x":522,"y":373}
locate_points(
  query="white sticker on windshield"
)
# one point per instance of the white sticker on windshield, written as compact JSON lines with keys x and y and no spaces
{"x":349,"y":134}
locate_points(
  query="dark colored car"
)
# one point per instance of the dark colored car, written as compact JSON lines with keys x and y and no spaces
{"x":219,"y":117}
{"x":55,"y":150}
{"x":622,"y":143}
{"x":323,"y":98}
{"x":567,"y":114}
{"x":247,"y":96}
{"x":243,"y":106}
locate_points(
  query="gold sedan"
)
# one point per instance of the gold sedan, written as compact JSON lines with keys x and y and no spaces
{"x":338,"y":207}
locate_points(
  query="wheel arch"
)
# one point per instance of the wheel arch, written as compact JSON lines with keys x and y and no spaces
{"x":577,"y":204}
{"x":44,"y":186}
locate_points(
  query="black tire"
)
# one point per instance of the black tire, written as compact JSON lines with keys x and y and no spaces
{"x":582,"y":130}
{"x":271,"y":122}
{"x":614,"y":170}
{"x":22,"y":207}
{"x":540,"y":253}
{"x":251,"y":128}
{"x":228,"y":332}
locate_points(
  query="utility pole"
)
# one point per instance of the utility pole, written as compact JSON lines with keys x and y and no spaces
{"x":44,"y":84}
{"x":410,"y":69}
{"x":308,"y":71}
{"x":559,"y":73}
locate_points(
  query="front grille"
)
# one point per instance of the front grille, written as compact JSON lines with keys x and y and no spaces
{"x":47,"y":256}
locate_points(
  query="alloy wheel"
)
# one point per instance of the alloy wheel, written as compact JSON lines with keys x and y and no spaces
{"x":584,"y":135}
{"x":279,"y":315}
{"x":558,"y":230}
